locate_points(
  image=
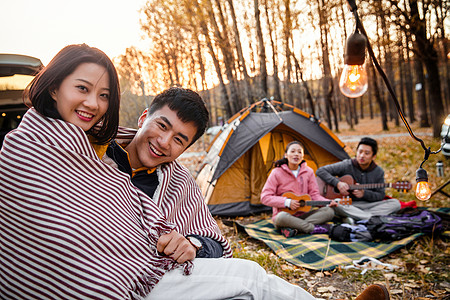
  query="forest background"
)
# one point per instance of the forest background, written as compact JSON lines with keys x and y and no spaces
{"x":236,"y":52}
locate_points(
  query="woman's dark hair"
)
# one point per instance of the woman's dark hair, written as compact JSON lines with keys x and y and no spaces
{"x":284,"y":160}
{"x":61,"y":66}
{"x":188,"y":105}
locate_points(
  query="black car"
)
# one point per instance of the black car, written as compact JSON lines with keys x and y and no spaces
{"x":16,"y":72}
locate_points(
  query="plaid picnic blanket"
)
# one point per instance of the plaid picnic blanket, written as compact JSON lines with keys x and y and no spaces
{"x":318,"y":252}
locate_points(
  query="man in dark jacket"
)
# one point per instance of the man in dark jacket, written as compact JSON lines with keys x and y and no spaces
{"x":366,"y":202}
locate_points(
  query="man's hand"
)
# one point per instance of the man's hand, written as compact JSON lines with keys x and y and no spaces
{"x":358,"y":193}
{"x":176,"y":246}
{"x":343,"y":188}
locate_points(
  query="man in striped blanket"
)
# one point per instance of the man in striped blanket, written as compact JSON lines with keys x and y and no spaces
{"x":149,"y":155}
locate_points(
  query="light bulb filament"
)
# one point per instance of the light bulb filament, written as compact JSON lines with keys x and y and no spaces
{"x":353,"y":77}
{"x":353,"y":82}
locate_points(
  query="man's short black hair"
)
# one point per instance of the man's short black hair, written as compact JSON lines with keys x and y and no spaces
{"x":369,"y":142}
{"x":188,"y":105}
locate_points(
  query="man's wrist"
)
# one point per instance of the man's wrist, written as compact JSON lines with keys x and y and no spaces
{"x":195,"y":242}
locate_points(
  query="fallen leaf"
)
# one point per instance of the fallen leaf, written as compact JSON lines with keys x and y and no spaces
{"x":412,"y":285}
{"x":320,"y":275}
{"x":390,"y":276}
{"x":423,"y":269}
{"x":322,"y":289}
{"x":396,"y":291}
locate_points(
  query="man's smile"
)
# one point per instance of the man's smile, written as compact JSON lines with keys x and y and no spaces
{"x":154,"y":150}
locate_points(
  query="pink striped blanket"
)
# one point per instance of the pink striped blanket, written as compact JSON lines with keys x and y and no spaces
{"x":71,"y":226}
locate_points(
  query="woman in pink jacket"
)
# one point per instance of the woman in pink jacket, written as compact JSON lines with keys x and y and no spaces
{"x":291,"y":174}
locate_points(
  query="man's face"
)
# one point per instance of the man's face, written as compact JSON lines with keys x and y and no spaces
{"x":161,"y":138}
{"x":364,"y":156}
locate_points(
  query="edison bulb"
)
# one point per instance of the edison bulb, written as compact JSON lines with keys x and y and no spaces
{"x":353,"y":82}
{"x":423,"y":191}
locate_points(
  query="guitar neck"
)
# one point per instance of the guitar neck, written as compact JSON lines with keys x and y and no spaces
{"x":367,"y":186}
{"x":317,"y":202}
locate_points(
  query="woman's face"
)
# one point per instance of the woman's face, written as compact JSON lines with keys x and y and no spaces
{"x":83,"y":97}
{"x":294,"y":155}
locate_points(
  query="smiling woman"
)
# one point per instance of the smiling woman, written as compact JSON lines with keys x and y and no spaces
{"x":82,"y":98}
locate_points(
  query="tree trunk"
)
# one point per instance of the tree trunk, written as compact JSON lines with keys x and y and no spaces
{"x":241,"y":61}
{"x":380,"y":101}
{"x":305,"y":86}
{"x":225,"y":99}
{"x":262,"y":52}
{"x":228,"y":60}
{"x":371,"y":94}
{"x":327,"y":80}
{"x":287,"y":27}
{"x":388,"y":63}
{"x":420,"y":89}
{"x":441,"y":14}
{"x":276,"y":79}
{"x":401,"y":78}
{"x":348,"y":108}
{"x":409,"y":82}
{"x":434,"y":92}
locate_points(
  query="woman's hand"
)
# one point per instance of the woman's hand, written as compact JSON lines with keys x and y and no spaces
{"x":333,"y":203}
{"x":294,"y":204}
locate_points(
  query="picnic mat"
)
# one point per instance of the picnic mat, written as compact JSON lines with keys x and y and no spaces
{"x":318,"y":252}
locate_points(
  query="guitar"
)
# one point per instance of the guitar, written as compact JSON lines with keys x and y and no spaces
{"x":332,"y":192}
{"x":306,"y":203}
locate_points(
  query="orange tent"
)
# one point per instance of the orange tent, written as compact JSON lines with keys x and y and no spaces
{"x":241,"y":156}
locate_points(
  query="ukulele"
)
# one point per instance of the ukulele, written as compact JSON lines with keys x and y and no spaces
{"x":306,"y":203}
{"x":332,"y":192}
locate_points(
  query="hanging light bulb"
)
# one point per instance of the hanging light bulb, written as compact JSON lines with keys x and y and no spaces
{"x":423,"y":191}
{"x":353,"y":82}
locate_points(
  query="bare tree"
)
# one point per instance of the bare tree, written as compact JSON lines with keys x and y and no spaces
{"x":272,"y":36}
{"x":225,"y":99}
{"x":415,"y":17}
{"x":262,"y":51}
{"x":327,"y":82}
{"x":287,"y":28}
{"x":381,"y":102}
{"x":222,"y":38}
{"x":241,"y":61}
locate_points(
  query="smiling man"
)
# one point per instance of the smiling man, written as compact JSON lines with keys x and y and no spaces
{"x":175,"y":119}
{"x":364,"y":170}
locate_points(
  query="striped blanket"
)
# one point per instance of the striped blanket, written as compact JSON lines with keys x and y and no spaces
{"x":318,"y":252}
{"x":179,"y":198}
{"x":64,"y":233}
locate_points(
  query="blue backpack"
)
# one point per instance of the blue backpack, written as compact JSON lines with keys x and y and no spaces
{"x":398,"y":226}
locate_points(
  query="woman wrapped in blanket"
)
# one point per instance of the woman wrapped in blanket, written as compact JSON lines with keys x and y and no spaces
{"x":73,"y":227}
{"x":65,"y":232}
